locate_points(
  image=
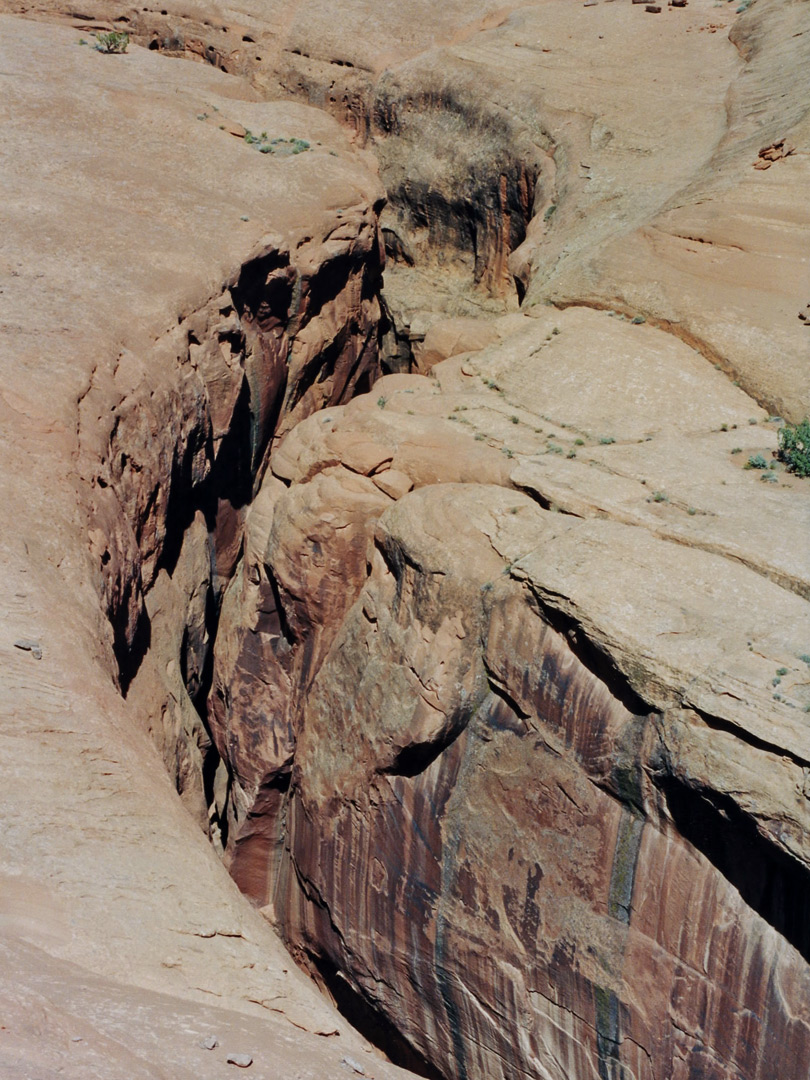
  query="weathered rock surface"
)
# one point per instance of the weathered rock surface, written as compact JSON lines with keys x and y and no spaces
{"x":123,"y":940}
{"x":513,"y":145}
{"x":505,"y":722}
{"x":528,"y":803}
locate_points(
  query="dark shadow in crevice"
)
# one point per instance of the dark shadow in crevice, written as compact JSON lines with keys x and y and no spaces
{"x":372,"y":1024}
{"x":772,"y":883}
{"x":210,"y":765}
{"x":414,"y":759}
{"x":130,"y":654}
{"x":599,"y":663}
{"x":261,"y":294}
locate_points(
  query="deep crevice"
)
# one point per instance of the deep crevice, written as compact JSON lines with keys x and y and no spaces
{"x":372,"y":1024}
{"x":129,"y":654}
{"x":599,"y":663}
{"x":770,"y":882}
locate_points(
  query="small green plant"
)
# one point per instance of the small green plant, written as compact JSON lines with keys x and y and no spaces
{"x":579,"y":442}
{"x":756,"y":461}
{"x":571,"y":454}
{"x":637,"y":320}
{"x":382,"y":402}
{"x":505,"y":450}
{"x":794,"y":447}
{"x":752,"y":420}
{"x":737,"y":450}
{"x":660,"y":496}
{"x":283,"y":147}
{"x":606,"y":440}
{"x":116,"y":41}
{"x":479,"y":436}
{"x":691,"y":511}
{"x":781,"y":671}
{"x":550,"y":211}
{"x":804,"y":657}
{"x":514,"y":419}
{"x":775,"y":681}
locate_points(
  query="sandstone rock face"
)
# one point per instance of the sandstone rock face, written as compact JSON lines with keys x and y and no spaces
{"x":522,"y":804}
{"x":490,"y":682}
{"x":123,"y":942}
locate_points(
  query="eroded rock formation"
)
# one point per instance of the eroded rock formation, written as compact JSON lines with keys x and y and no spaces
{"x":515,"y":805}
{"x":124,"y":943}
{"x":490,"y":681}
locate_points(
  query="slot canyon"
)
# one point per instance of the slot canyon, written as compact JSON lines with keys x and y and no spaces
{"x":405,"y":576}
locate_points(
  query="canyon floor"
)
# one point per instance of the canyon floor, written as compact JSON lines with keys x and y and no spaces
{"x":404,"y":611}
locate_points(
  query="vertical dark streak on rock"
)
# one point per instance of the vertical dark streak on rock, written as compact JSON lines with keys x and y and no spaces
{"x":625,"y":861}
{"x":606,"y":1007}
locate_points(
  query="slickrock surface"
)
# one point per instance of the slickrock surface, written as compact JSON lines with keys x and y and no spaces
{"x":123,"y":940}
{"x":488,"y":677}
{"x":596,"y":153}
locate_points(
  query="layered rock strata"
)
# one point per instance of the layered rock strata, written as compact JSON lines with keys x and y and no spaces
{"x":514,"y":778}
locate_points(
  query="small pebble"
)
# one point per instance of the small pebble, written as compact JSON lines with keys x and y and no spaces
{"x":242,"y":1060}
{"x":28,"y":645}
{"x":352,"y":1063}
{"x":211,"y":1042}
{"x":76,"y":1038}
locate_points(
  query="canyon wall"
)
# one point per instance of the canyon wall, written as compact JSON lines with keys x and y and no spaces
{"x":489,"y":683}
{"x":173,"y":461}
{"x":510,"y":776}
{"x":132,"y":369}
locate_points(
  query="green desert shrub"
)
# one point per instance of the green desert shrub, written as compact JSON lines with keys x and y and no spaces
{"x":794,"y":447}
{"x":116,"y":41}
